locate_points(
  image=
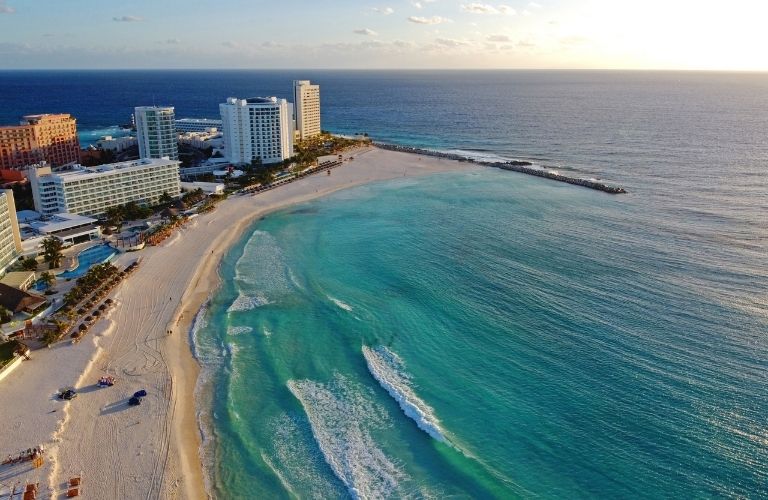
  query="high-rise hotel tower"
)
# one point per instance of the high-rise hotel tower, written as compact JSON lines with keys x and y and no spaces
{"x":49,"y":138}
{"x":258,"y":128}
{"x":307,"y":108}
{"x":156,"y":132}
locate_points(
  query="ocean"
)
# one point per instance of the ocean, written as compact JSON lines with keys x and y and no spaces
{"x":488,"y":334}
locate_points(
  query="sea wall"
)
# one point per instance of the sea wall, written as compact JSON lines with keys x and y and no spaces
{"x":524,"y":167}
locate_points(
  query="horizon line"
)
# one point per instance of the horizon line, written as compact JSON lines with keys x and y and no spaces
{"x":629,"y":70}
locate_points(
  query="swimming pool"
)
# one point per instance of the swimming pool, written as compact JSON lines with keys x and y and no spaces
{"x":87,"y":259}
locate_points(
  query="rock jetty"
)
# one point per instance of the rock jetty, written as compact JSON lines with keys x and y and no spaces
{"x":524,"y":167}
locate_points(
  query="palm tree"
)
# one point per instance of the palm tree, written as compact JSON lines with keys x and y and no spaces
{"x":29,"y":264}
{"x":47,"y":279}
{"x":52,"y":251}
{"x":114,"y":216}
{"x":165,"y":198}
{"x":5,"y":315}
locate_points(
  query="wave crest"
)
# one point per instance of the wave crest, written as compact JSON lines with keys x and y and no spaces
{"x":247,"y":302}
{"x":388,"y":369}
{"x":340,"y":416}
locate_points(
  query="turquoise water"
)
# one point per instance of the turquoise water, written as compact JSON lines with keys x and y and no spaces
{"x":87,"y":259}
{"x":484,"y":335}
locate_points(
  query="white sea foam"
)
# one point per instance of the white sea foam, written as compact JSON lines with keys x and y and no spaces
{"x":247,"y":302}
{"x":340,"y":416}
{"x":267,"y":332}
{"x":340,"y":304}
{"x":477,"y":155}
{"x":297,"y":461}
{"x":262,"y":265}
{"x":387,"y":368}
{"x":239,"y":330}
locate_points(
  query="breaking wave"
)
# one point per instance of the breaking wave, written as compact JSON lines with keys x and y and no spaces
{"x":248,"y":302}
{"x":387,"y":368}
{"x":340,"y":416}
{"x":239,"y":330}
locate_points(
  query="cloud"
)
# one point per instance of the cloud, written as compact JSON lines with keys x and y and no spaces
{"x":498,"y":38}
{"x":429,"y":20}
{"x":231,"y":44}
{"x":6,"y":9}
{"x":450,"y":42}
{"x":384,"y":10}
{"x":535,"y":5}
{"x":128,"y":19}
{"x":484,"y":8}
{"x":171,"y":41}
{"x":365,"y":31}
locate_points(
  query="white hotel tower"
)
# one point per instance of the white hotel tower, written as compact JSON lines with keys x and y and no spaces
{"x":156,"y":132}
{"x":91,"y":191}
{"x":257,"y":128}
{"x":307,"y":108}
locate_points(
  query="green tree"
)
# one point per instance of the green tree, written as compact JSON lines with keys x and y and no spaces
{"x":47,"y":279}
{"x":5,"y":315}
{"x":165,"y":198}
{"x":52,"y":251}
{"x":29,"y":264}
{"x":114,"y":216}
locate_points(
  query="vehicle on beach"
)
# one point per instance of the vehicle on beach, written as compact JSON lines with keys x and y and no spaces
{"x":137,"y":397}
{"x":67,"y":394}
{"x":107,"y":381}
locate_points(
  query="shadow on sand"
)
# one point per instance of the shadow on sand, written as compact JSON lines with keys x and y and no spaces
{"x":115,"y":407}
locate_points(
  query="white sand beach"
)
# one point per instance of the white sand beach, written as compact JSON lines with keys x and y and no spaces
{"x":151,"y":450}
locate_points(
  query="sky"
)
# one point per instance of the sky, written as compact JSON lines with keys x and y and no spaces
{"x":373,"y":34}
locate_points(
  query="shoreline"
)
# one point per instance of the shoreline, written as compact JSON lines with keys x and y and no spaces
{"x":209,"y":274}
{"x":154,"y":450}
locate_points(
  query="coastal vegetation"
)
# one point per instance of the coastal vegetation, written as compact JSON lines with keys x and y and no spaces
{"x":52,"y":251}
{"x":306,"y":154}
{"x":29,"y":264}
{"x":8,"y":351}
{"x":90,"y":282}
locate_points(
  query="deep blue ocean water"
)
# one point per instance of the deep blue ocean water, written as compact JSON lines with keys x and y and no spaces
{"x":489,"y":334}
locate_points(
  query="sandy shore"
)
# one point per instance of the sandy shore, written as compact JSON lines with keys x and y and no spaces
{"x":152,"y":450}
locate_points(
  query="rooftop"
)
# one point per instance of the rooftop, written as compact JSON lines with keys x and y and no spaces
{"x":198,"y":120}
{"x":61,"y":222}
{"x":75,"y":172}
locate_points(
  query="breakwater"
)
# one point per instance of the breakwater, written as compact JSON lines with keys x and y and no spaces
{"x":524,"y":167}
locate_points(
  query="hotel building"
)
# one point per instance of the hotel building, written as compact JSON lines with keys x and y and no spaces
{"x":185,"y":125}
{"x":257,"y":128}
{"x":49,"y":138}
{"x":307,"y":108}
{"x":91,"y":191}
{"x":10,"y":238}
{"x":156,"y":132}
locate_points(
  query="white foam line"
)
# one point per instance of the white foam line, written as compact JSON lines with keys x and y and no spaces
{"x":340,"y":304}
{"x":386,"y":368}
{"x":339,"y":419}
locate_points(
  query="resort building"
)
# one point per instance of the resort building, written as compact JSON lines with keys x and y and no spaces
{"x":91,"y":191}
{"x":257,"y":129}
{"x":184,"y":125}
{"x":156,"y":132}
{"x":307,"y":108}
{"x":71,"y":229}
{"x":10,"y":238}
{"x":116,"y":144}
{"x":49,"y":138}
